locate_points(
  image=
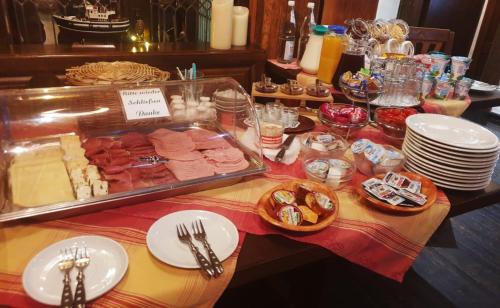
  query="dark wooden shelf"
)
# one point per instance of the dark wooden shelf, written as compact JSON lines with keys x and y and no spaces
{"x":20,"y":63}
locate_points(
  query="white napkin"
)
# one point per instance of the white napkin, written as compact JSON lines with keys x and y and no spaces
{"x":249,"y":139}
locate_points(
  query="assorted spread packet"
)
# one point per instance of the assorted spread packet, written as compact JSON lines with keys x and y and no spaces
{"x":396,"y":189}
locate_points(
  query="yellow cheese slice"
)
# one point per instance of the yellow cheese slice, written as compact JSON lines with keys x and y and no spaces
{"x":70,"y":139}
{"x":39,"y":156}
{"x":35,"y":185}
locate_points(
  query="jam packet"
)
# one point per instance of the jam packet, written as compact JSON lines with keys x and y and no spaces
{"x":383,"y":192}
{"x":419,"y":199}
{"x":399,"y":181}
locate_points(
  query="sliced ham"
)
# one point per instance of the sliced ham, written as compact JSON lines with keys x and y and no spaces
{"x":96,"y":145}
{"x":109,"y":169}
{"x":205,"y":139}
{"x":212,"y":144}
{"x":183,"y":156}
{"x":221,"y":168}
{"x":201,"y":134}
{"x":118,"y":153}
{"x":224,"y":155}
{"x":134,"y":140}
{"x":165,"y":180}
{"x":116,"y":187}
{"x":120,"y":161}
{"x":190,"y":170}
{"x":160,"y":133}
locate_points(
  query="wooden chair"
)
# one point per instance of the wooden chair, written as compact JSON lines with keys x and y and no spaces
{"x":431,"y":39}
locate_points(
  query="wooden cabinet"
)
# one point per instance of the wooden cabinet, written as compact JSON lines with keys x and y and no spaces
{"x":35,"y":65}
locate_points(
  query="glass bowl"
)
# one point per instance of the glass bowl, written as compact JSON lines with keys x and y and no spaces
{"x":357,"y":94}
{"x":336,"y":173}
{"x":392,"y":120}
{"x":323,"y":144}
{"x":392,"y":160}
{"x":343,"y":116}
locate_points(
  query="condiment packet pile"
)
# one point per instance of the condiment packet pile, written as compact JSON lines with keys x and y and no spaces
{"x":372,"y":158}
{"x":396,"y":189}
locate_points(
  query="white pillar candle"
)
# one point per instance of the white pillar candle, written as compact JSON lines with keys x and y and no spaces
{"x":221,"y":24}
{"x":240,"y":25}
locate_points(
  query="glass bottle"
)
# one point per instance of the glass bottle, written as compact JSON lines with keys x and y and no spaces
{"x":305,"y":30}
{"x":287,"y":36}
{"x":331,"y":52}
{"x":311,"y":58}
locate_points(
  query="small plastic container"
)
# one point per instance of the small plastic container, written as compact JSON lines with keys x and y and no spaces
{"x":319,"y":144}
{"x":378,"y":159}
{"x":336,"y":173}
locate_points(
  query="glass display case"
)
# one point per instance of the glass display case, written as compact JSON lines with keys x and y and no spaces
{"x":71,"y":150}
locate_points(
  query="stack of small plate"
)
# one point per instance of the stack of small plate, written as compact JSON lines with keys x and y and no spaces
{"x":454,"y":153}
{"x":230,"y":101}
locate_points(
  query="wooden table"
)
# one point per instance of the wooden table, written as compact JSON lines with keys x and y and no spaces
{"x":262,"y":256}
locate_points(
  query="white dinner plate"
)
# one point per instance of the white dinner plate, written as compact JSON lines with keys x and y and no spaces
{"x":164,"y":244}
{"x":42,"y":279}
{"x":441,"y":167}
{"x":482,"y":86}
{"x":449,"y":160}
{"x":450,"y":154}
{"x":450,"y":178}
{"x":459,"y":151}
{"x":452,"y":185}
{"x":452,"y":131}
{"x":451,"y":174}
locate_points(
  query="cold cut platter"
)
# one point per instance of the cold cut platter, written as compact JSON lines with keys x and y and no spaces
{"x":56,"y":161}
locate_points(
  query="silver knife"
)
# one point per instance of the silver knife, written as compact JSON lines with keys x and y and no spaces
{"x":284,"y":147}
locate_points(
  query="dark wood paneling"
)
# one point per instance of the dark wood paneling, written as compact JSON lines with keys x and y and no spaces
{"x":267,"y":18}
{"x":484,"y":65}
{"x":5,"y":38}
{"x":460,"y":16}
{"x":410,"y":11}
{"x":337,"y":11}
{"x":491,"y":71}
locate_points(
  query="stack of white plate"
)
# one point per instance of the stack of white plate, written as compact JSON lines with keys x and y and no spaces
{"x":452,"y":152}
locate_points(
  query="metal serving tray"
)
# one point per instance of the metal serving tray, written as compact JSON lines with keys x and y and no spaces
{"x":22,"y":114}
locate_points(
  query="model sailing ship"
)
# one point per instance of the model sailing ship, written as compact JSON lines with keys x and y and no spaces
{"x":96,"y":20}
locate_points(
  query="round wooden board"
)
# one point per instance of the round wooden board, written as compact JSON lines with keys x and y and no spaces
{"x":266,"y":210}
{"x":305,"y":125}
{"x":428,"y":189}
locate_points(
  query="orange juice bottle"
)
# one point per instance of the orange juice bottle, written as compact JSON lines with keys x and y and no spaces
{"x":331,"y":52}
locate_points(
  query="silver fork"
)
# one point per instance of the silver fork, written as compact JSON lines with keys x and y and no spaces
{"x":82,"y":259}
{"x":185,"y":237}
{"x":66,"y":263}
{"x":200,"y":234}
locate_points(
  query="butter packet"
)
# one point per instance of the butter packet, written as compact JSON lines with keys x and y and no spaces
{"x":360,"y":145}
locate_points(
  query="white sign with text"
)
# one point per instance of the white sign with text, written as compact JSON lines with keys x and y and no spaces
{"x":142,"y":104}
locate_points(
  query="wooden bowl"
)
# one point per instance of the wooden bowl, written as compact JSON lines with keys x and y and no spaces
{"x":428,"y":189}
{"x":266,"y":210}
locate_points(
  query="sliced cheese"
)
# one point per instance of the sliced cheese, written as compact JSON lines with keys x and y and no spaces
{"x":78,"y":163}
{"x":99,"y":188}
{"x":39,"y":156}
{"x":40,"y":184}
